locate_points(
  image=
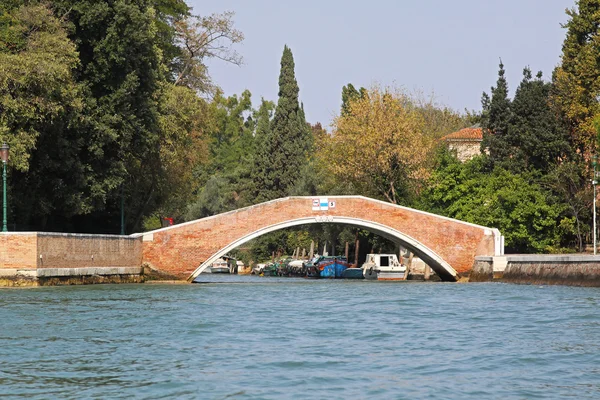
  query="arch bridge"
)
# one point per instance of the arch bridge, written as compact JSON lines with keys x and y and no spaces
{"x":448,"y":246}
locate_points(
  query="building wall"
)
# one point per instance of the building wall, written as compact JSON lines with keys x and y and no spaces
{"x":465,"y":150}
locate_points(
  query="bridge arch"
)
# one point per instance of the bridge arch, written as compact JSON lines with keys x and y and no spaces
{"x":441,"y":267}
{"x":449,"y":246}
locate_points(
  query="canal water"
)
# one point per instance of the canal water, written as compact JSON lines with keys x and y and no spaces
{"x":247,"y":337}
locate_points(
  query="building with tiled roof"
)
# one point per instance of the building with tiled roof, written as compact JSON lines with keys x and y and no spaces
{"x":466,"y":142}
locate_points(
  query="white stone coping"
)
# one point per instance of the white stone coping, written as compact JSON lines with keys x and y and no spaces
{"x":553,"y":258}
{"x":14,"y":272}
{"x":86,"y":271}
{"x":63,"y":234}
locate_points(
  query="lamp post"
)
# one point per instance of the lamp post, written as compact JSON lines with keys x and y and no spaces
{"x":594,"y":163}
{"x":4,"y":156}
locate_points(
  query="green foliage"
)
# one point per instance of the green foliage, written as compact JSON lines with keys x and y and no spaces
{"x":514,"y":203}
{"x":496,"y":118}
{"x":523,"y":134}
{"x":288,"y":143}
{"x":36,"y":80}
{"x":577,"y":78}
{"x":349,"y":93}
{"x":569,"y":182}
{"x":224,"y":180}
{"x":538,"y":140}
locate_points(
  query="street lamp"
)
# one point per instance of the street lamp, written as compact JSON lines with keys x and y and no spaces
{"x":594,"y":163}
{"x":4,"y":156}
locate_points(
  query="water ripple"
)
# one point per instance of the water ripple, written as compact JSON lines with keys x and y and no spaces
{"x":251,"y":337}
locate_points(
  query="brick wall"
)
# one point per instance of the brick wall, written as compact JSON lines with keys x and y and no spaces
{"x":180,"y":249}
{"x":18,"y":250}
{"x":54,"y":250}
{"x":79,"y":251}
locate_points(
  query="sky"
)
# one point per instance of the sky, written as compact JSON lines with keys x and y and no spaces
{"x":449,"y":49}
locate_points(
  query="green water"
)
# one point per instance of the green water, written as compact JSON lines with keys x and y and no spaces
{"x":277,"y":338}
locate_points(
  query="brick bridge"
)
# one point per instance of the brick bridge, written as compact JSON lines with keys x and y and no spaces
{"x":447,"y":245}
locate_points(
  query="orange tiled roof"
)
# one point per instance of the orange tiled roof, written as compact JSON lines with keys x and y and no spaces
{"x":465,"y":134}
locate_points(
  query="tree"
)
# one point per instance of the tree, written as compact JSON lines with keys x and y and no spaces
{"x":287,"y":147}
{"x":37,"y":87}
{"x":496,"y":119}
{"x":379,"y":146}
{"x":349,"y":93}
{"x":526,"y":214}
{"x":185,"y":119}
{"x":40,"y":105}
{"x":577,"y":78}
{"x":537,"y":139}
{"x":200,"y":39}
{"x":568,"y":182}
{"x":230,"y":142}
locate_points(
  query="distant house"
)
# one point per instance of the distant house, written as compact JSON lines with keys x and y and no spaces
{"x":466,"y":142}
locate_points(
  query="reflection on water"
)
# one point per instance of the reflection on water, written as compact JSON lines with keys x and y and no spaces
{"x":253,"y":337}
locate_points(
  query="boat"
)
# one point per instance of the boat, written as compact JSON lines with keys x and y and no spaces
{"x":258,"y":269}
{"x":296,"y":268}
{"x":326,"y":267}
{"x":220,"y":267}
{"x":383,"y":267}
{"x":353,"y":273}
{"x":270,"y":270}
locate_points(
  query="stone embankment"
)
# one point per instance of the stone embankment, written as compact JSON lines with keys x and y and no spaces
{"x":40,"y":259}
{"x":538,"y":269}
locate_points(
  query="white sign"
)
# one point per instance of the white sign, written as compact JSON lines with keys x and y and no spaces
{"x":316,"y":205}
{"x":324,"y":204}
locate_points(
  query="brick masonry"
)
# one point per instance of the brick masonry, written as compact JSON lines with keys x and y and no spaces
{"x":18,"y":250}
{"x":180,"y":249}
{"x":39,"y":250}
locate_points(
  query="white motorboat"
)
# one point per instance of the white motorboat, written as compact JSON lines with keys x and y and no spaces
{"x":258,"y":269}
{"x":384,"y":267}
{"x":220,"y":267}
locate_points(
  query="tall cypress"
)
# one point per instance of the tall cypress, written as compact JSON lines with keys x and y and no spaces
{"x":496,"y":120}
{"x":524,"y":133}
{"x":287,"y":143}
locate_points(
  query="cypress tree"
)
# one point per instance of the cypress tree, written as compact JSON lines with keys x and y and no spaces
{"x":287,"y":144}
{"x":496,"y":120}
{"x":523,"y":134}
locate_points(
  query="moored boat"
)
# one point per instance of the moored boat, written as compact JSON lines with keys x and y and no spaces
{"x":383,"y":267}
{"x":296,"y":268}
{"x":353,"y":273}
{"x":258,"y":269}
{"x":270,"y":270}
{"x":326,"y":267}
{"x":220,"y":267}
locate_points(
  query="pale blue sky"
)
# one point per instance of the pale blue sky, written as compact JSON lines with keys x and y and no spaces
{"x":449,"y":47}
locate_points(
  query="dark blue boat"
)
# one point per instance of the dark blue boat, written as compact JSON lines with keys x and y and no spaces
{"x":326,"y":267}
